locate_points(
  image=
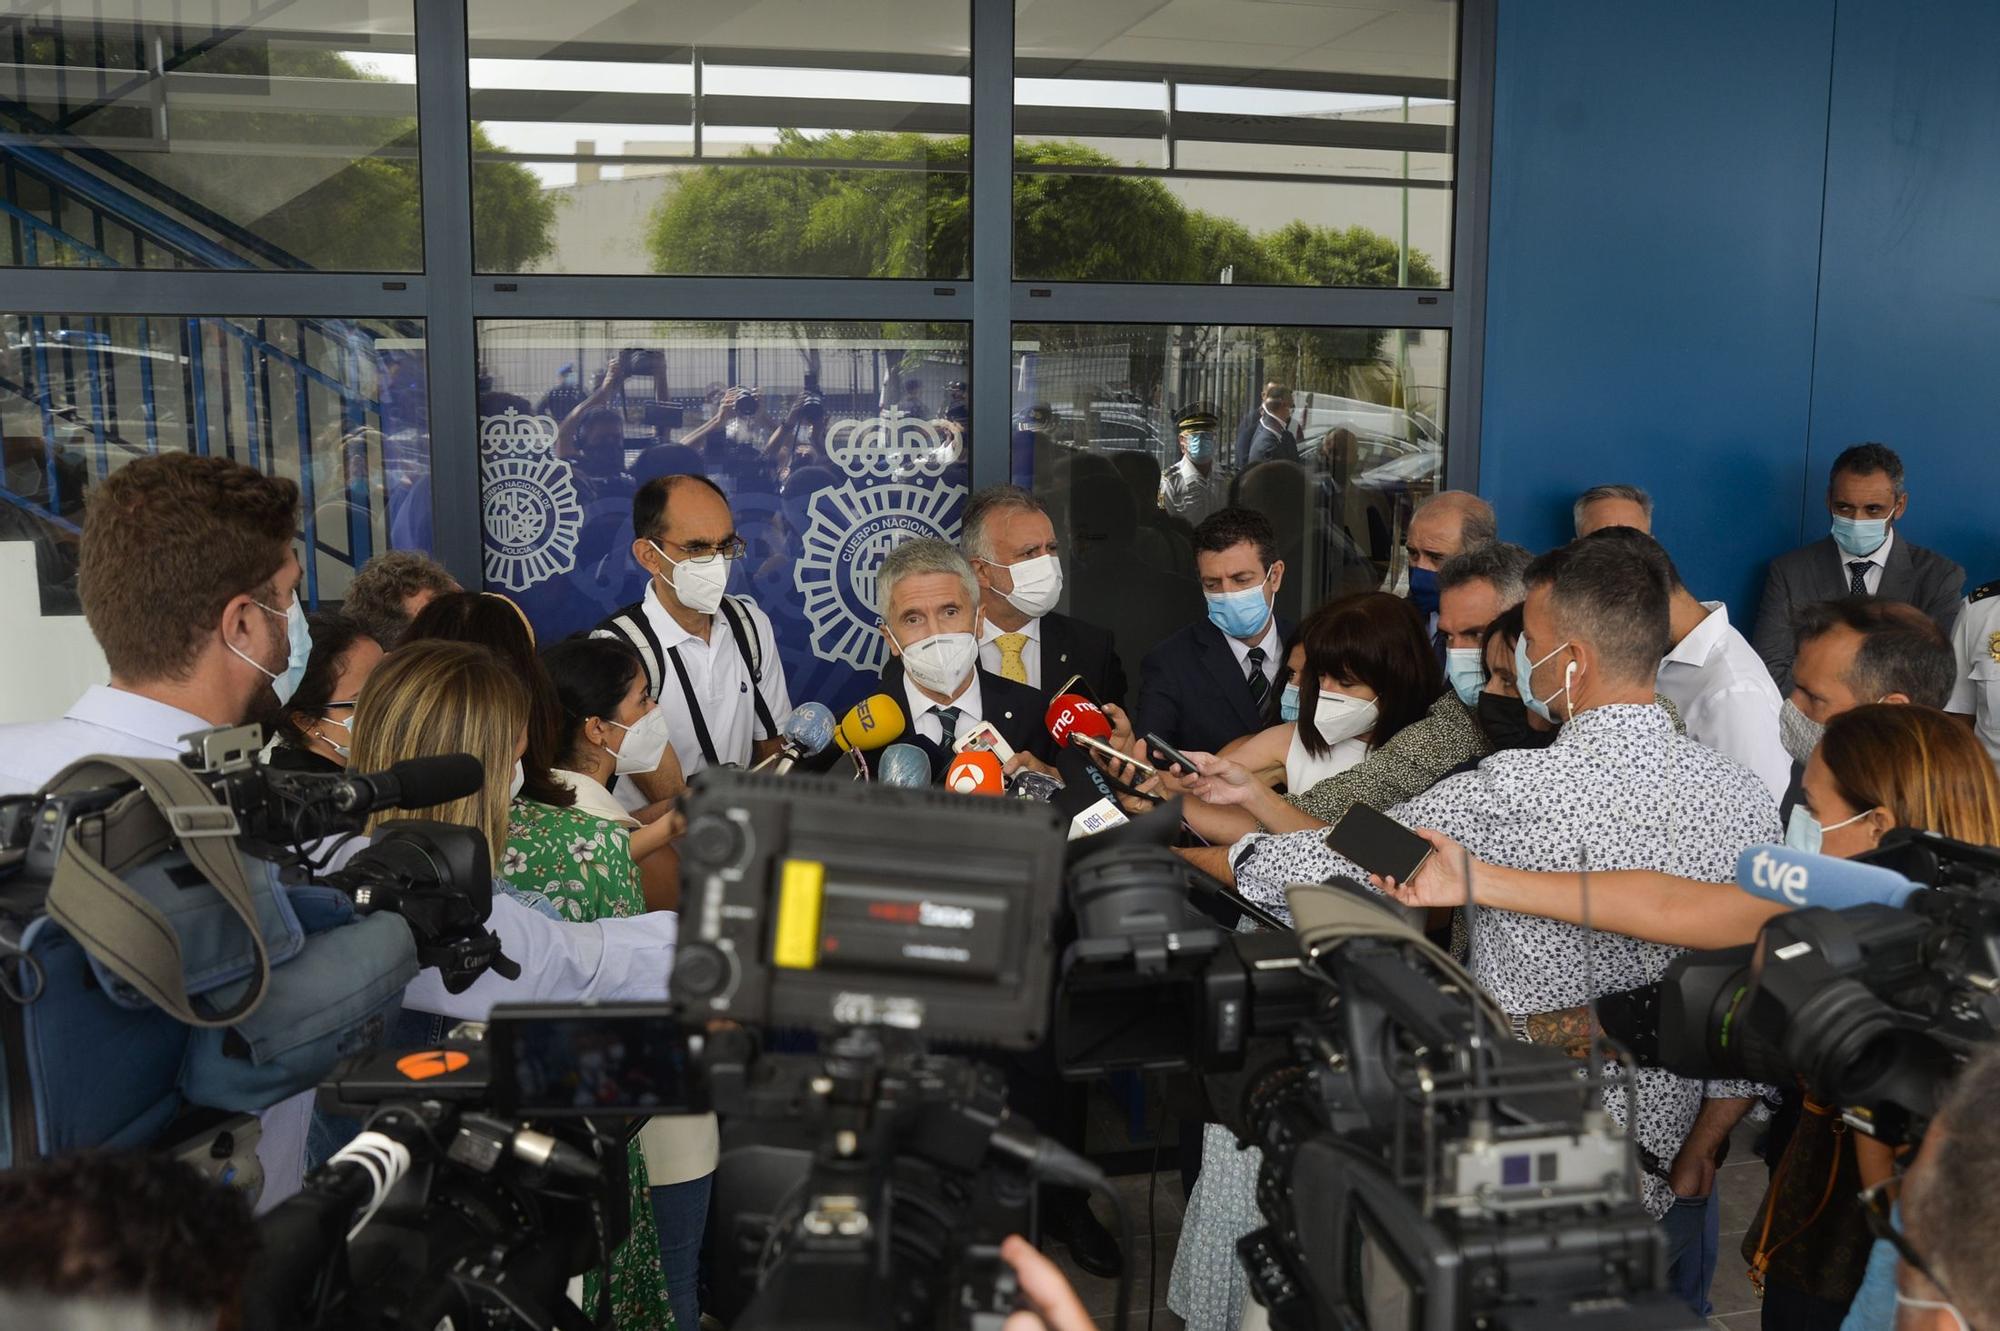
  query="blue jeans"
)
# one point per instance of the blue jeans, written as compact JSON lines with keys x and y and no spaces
{"x":680,"y":1210}
{"x":1694,"y":1239}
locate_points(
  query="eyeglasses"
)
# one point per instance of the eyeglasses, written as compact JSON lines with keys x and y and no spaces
{"x":1878,"y":1202}
{"x":701,"y":552}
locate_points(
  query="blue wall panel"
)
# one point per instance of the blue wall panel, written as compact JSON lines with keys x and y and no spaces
{"x":1909,"y":311}
{"x":1657,"y":180}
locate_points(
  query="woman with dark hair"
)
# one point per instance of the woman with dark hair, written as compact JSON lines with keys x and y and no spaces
{"x":1362,"y":672}
{"x":314,"y":730}
{"x":1503,"y":717}
{"x":496,"y":623}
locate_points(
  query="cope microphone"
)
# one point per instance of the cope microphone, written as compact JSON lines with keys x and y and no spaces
{"x":975,"y":772}
{"x":414,"y":783}
{"x":903,"y":764}
{"x":807,"y":731}
{"x":875,"y":722}
{"x":1779,"y":873}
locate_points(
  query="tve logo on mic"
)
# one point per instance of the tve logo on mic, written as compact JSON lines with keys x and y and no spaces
{"x":1779,"y":873}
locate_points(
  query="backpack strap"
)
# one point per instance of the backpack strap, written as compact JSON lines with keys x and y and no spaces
{"x":751,"y":648}
{"x":630,"y":624}
{"x":89,"y":898}
{"x":694,"y":707}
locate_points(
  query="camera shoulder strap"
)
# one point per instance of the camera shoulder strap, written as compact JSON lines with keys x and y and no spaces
{"x":751,"y":649}
{"x":89,"y":897}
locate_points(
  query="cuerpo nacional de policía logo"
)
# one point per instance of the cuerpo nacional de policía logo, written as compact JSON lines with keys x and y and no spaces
{"x":533,"y":516}
{"x":893,"y":494}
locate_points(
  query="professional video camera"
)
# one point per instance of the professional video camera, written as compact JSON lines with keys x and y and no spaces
{"x":449,"y":1211}
{"x":1875,"y":1005}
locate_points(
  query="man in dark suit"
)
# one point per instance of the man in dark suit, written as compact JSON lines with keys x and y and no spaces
{"x":1862,"y":557}
{"x":1011,"y":543}
{"x":930,"y":616}
{"x":1276,"y":438}
{"x":1216,"y":679}
{"x":1253,"y":423}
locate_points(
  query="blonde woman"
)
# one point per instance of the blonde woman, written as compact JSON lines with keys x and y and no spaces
{"x":436,"y":697}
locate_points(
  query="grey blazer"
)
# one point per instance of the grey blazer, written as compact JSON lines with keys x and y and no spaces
{"x":1818,"y":572}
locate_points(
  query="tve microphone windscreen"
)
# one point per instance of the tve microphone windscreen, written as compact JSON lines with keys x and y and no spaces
{"x":975,"y":772}
{"x":809,"y":728}
{"x":1072,"y":713}
{"x":414,"y":783}
{"x":1779,"y":873}
{"x":873,"y":723}
{"x":903,"y":765}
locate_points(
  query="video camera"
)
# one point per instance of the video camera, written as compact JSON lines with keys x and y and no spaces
{"x":1875,"y":1006}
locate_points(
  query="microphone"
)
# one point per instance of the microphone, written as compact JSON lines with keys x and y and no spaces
{"x":939,"y":756}
{"x":414,"y":783}
{"x":806,"y":731}
{"x":1075,"y":720}
{"x":1031,"y":785}
{"x":975,"y":772}
{"x":903,"y":765}
{"x":1779,"y":873}
{"x":873,"y":723}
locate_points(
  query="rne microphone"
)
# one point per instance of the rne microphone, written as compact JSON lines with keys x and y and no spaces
{"x":975,"y":772}
{"x":806,"y":731}
{"x":903,"y":765}
{"x":1075,"y":720}
{"x":414,"y":783}
{"x":1779,"y":873}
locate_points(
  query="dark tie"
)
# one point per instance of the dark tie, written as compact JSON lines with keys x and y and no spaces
{"x":1857,"y":575}
{"x":1259,"y":686}
{"x":948,"y":723}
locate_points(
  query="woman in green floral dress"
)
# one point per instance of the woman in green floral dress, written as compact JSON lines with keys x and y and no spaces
{"x":583,"y":864}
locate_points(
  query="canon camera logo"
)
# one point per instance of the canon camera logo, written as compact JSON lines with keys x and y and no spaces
{"x":1787,"y":880}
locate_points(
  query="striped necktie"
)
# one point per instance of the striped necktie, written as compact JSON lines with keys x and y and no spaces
{"x":1259,"y":686}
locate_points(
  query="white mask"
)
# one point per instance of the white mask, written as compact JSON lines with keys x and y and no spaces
{"x":940,"y":662}
{"x":1339,"y":717}
{"x":1038,"y":585}
{"x":697,"y":583}
{"x":520,"y":779}
{"x":645,"y":743}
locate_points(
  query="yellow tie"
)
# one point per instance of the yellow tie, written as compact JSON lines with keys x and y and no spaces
{"x":1011,"y":665}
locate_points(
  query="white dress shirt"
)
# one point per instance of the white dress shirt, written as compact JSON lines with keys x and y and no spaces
{"x":1975,"y":641}
{"x":1031,"y":650}
{"x":923,"y":711}
{"x":1273,"y":646}
{"x":1876,"y":562}
{"x":720,"y":678}
{"x":1726,"y":697}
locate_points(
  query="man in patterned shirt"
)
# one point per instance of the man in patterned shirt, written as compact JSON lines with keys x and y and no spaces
{"x":1618,"y":789}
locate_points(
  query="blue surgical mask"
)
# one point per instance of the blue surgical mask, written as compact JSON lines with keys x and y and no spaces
{"x":1200,"y":448}
{"x":1860,"y":537}
{"x":1803,"y":832}
{"x":1524,"y":679}
{"x":1465,"y":667}
{"x":1288,"y":703}
{"x":1241,"y":614}
{"x":299,"y":645}
{"x":1424,"y":591}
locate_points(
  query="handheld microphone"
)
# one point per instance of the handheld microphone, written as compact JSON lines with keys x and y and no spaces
{"x":1779,"y":873}
{"x":903,"y":765}
{"x":873,"y":723}
{"x":414,"y":783}
{"x":1074,"y":720}
{"x":975,"y":772}
{"x":806,"y":731}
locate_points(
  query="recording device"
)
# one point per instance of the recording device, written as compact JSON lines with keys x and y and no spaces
{"x":875,"y":722}
{"x":570,"y":1062}
{"x":1378,"y":843}
{"x":806,"y":733}
{"x":442,"y":1212}
{"x":987,"y":736}
{"x":414,"y":783}
{"x":747,"y":404}
{"x":1074,"y":720}
{"x":639,"y":360}
{"x":1172,"y":756}
{"x":1875,"y":1005}
{"x":903,"y":764}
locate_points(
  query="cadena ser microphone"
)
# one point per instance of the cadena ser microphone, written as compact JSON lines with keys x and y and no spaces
{"x":873,"y":723}
{"x":807,"y":731}
{"x":1075,"y":720}
{"x":975,"y":772}
{"x":1779,"y":873}
{"x":414,"y":783}
{"x":903,"y":764}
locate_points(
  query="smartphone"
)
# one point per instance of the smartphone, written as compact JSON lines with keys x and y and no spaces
{"x":620,"y":1061}
{"x":986,"y":736}
{"x":1111,"y":754}
{"x":1378,"y":843}
{"x":1174,"y":757}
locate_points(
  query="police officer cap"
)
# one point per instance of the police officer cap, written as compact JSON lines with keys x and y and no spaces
{"x":1195,"y":416}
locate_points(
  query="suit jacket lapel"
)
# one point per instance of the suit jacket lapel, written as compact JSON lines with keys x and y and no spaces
{"x":1220,"y":663}
{"x":1899,"y":573}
